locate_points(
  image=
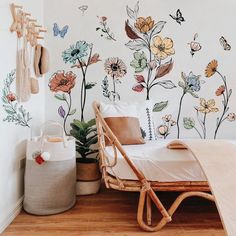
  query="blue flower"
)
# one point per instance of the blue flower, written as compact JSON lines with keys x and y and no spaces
{"x":75,"y":52}
{"x":192,"y":82}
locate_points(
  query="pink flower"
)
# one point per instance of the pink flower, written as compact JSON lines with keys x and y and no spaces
{"x":138,"y":88}
{"x":139,"y":78}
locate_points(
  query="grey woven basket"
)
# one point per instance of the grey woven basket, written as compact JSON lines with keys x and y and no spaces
{"x":50,"y":188}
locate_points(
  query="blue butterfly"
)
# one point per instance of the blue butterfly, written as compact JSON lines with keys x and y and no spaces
{"x":57,"y":31}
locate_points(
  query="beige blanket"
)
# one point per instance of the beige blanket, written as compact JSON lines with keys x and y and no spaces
{"x":217,"y":159}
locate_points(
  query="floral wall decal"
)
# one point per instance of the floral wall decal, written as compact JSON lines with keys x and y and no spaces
{"x":62,"y":83}
{"x":116,"y":69}
{"x":190,"y":85}
{"x":104,"y":29}
{"x":194,"y":45}
{"x":155,"y":51}
{"x":164,"y":129}
{"x":81,"y":56}
{"x":15,"y":113}
{"x":205,"y":108}
{"x":150,"y":49}
{"x":223,"y":90}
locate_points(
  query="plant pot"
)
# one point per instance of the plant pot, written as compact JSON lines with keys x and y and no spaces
{"x":88,"y":177}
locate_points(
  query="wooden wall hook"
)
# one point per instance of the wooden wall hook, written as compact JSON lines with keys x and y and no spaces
{"x":43,"y":30}
{"x":32,"y":20}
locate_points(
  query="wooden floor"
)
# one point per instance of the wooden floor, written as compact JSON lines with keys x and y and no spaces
{"x":114,"y":213}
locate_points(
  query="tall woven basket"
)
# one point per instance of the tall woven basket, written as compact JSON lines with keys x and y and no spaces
{"x":50,"y":185}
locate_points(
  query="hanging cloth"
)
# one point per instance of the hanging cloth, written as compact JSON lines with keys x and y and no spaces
{"x":23,"y":85}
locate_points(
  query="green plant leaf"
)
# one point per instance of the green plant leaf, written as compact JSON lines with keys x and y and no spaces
{"x":90,"y":85}
{"x":91,"y":122}
{"x":61,"y":97}
{"x":192,"y":93}
{"x":72,"y":112}
{"x":181,"y":84}
{"x":189,"y":123}
{"x":160,"y":106}
{"x":167,"y":84}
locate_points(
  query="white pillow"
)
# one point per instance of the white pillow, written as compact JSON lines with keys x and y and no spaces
{"x":118,"y":109}
{"x":142,"y":110}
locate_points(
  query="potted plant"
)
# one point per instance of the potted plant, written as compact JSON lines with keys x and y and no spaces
{"x":88,"y":174}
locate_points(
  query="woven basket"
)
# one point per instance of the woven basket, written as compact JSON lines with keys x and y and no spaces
{"x":50,"y":187}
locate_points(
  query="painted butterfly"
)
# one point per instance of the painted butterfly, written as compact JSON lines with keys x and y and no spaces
{"x":57,"y":31}
{"x":83,"y":8}
{"x":178,"y":17}
{"x":224,"y":43}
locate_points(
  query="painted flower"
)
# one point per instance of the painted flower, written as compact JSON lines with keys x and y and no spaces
{"x":103,"y":18}
{"x":152,"y":65}
{"x":167,"y":118}
{"x":211,"y":68}
{"x":138,"y":88}
{"x":11,"y":97}
{"x":162,"y":48}
{"x":139,"y":78}
{"x":61,"y":81}
{"x":194,"y":46}
{"x":231,"y":117}
{"x":144,"y":24}
{"x":220,"y":90}
{"x":75,"y":52}
{"x":115,"y":67}
{"x":192,"y":82}
{"x":140,"y":62}
{"x":207,"y":106}
{"x":162,"y":130}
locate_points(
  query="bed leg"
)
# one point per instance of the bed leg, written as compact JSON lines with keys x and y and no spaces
{"x":149,"y":210}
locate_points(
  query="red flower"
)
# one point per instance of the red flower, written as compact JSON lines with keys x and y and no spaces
{"x":139,"y":78}
{"x":138,"y":88}
{"x":220,"y":90}
{"x":39,"y":160}
{"x":61,"y":81}
{"x":11,"y":97}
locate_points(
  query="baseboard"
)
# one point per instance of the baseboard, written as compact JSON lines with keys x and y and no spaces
{"x":11,"y":215}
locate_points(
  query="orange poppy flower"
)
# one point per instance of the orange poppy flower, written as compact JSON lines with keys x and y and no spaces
{"x":211,"y":68}
{"x":61,"y":81}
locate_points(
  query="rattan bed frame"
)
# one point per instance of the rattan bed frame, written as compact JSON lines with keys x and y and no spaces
{"x":146,"y":188}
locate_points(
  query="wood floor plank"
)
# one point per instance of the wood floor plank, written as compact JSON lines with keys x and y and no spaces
{"x":113,"y":213}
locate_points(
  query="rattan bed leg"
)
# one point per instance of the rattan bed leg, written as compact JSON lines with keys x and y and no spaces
{"x":148,"y":210}
{"x":140,"y":214}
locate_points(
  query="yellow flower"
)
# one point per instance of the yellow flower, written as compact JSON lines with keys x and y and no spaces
{"x":211,"y":68}
{"x":162,"y":48}
{"x":144,"y":25}
{"x":207,"y":106}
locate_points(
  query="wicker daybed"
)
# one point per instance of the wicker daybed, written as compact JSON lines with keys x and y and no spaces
{"x":146,"y":188}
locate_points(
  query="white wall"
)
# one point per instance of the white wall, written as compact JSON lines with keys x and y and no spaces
{"x":210,"y":19}
{"x":12,"y":138}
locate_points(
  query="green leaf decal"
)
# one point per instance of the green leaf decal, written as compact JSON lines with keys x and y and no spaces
{"x":189,"y":123}
{"x":61,"y":97}
{"x":160,"y":106}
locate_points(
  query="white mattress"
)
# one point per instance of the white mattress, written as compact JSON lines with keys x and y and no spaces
{"x":158,"y":163}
